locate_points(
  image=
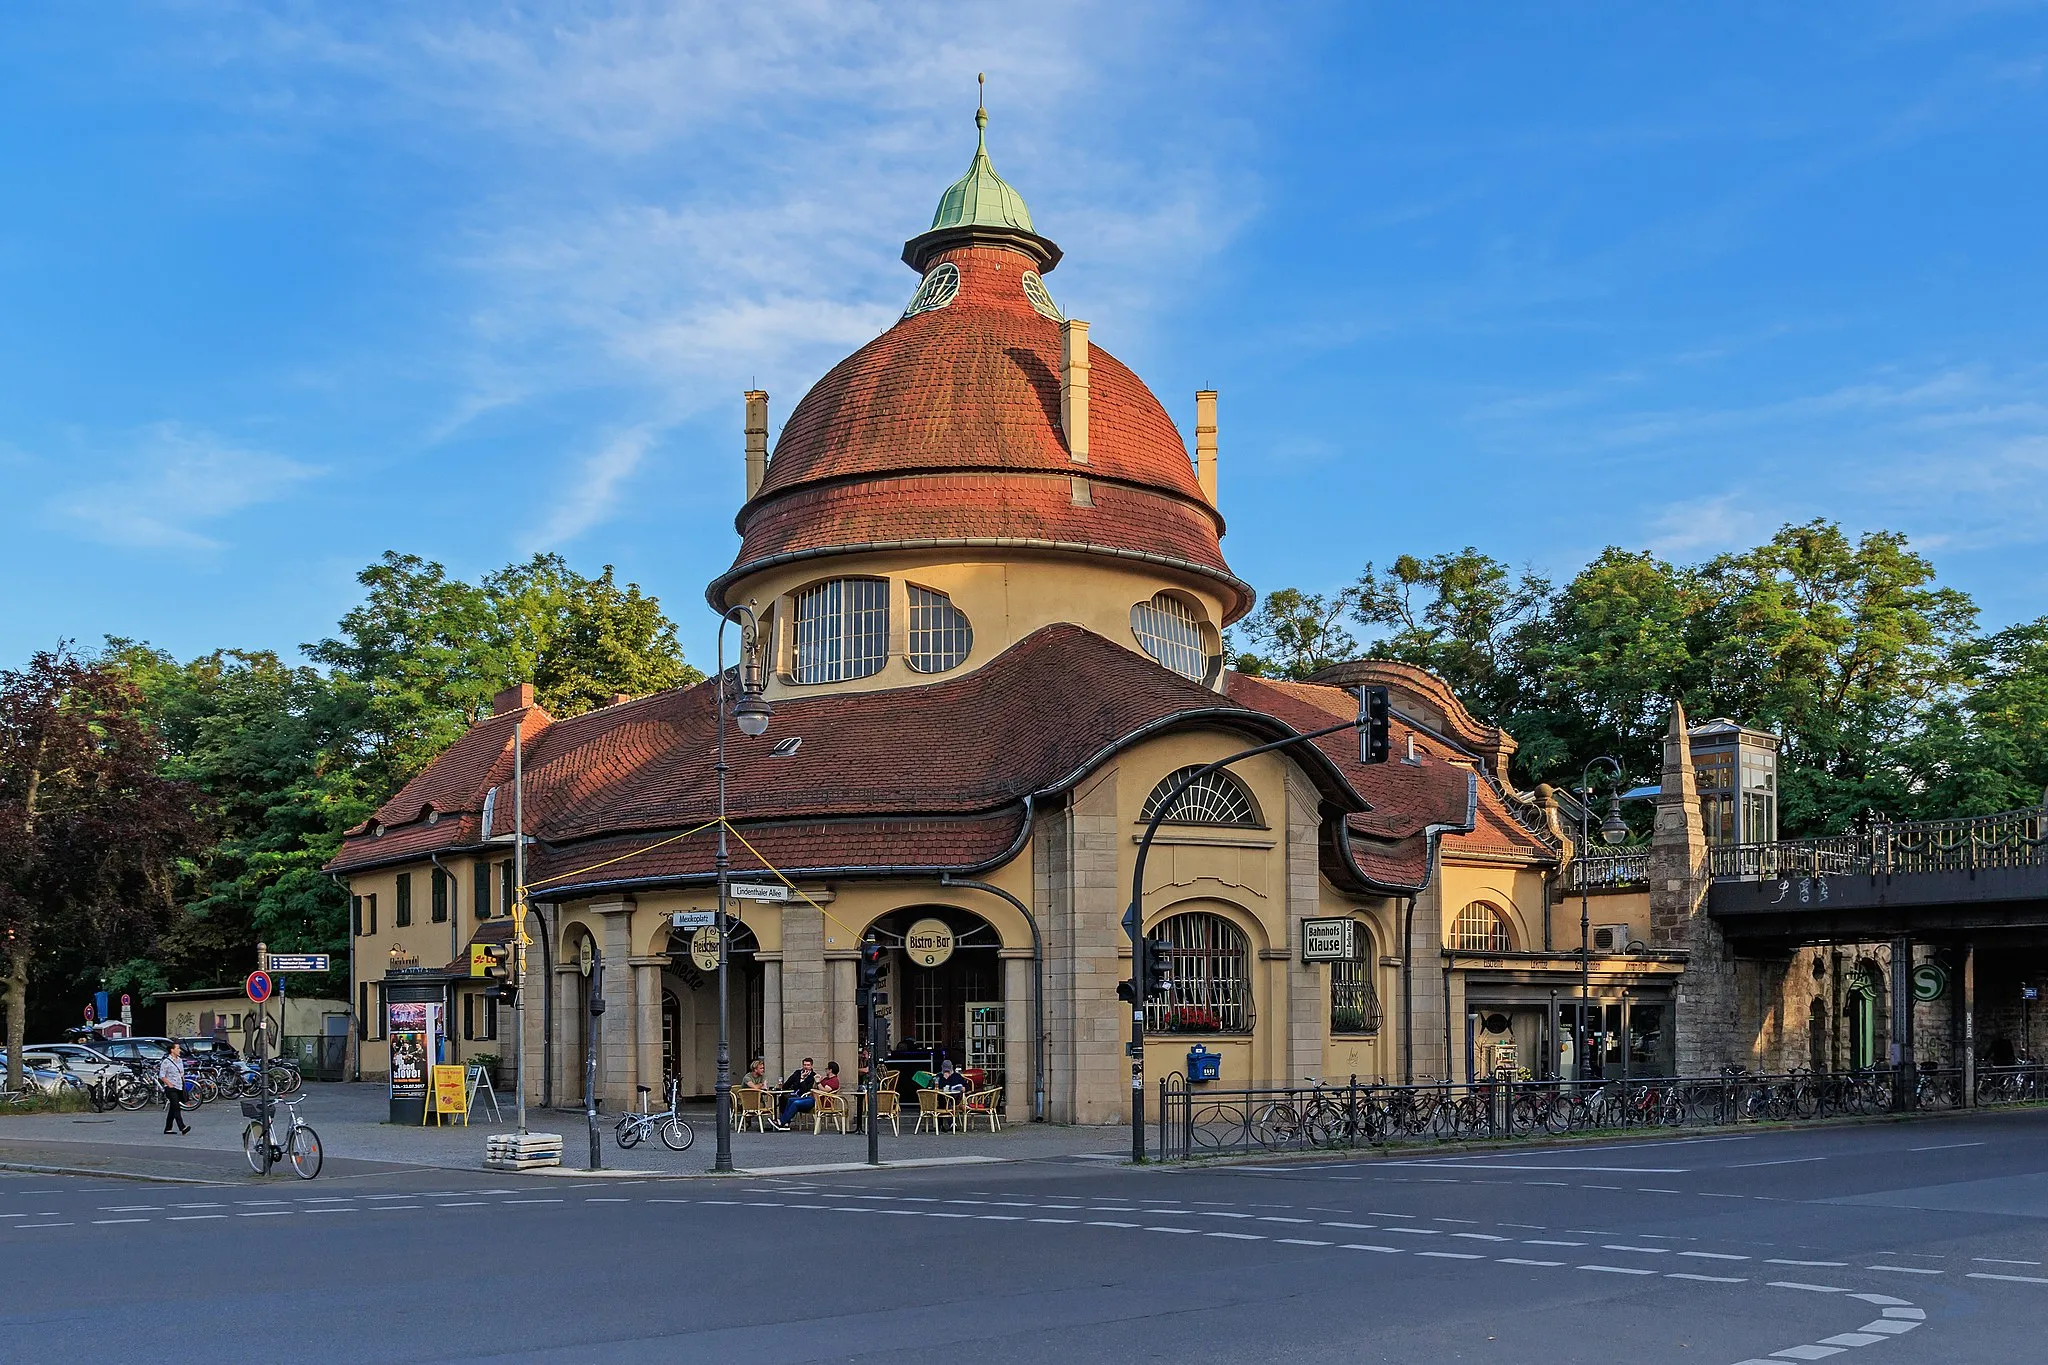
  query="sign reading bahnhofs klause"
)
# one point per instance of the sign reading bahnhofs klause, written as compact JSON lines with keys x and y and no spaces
{"x":1328,"y":940}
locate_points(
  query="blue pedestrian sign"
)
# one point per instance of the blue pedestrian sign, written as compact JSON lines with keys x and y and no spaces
{"x":298,"y":962}
{"x":258,"y":987}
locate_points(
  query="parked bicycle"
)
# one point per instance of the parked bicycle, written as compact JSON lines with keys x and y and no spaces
{"x":636,"y":1126}
{"x":286,"y":1137}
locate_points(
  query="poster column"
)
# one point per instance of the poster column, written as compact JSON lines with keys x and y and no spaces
{"x":413,"y":1027}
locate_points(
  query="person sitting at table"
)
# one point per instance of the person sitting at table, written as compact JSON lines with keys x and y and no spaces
{"x":949,"y":1079}
{"x":756,"y":1077}
{"x":798,"y":1086}
{"x":831,"y":1080}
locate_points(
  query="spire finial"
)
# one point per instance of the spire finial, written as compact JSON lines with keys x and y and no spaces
{"x":981,"y":102}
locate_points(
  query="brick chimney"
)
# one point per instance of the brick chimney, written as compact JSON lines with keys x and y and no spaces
{"x":1205,"y":443}
{"x":1074,"y":388}
{"x":757,"y":439}
{"x":517,"y":697}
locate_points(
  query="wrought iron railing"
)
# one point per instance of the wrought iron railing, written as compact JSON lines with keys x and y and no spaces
{"x":2017,"y":838}
{"x":1205,"y":1120}
{"x":1610,"y":867}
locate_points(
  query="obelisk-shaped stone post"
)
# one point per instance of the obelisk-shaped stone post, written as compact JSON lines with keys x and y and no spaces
{"x":1704,"y":1020}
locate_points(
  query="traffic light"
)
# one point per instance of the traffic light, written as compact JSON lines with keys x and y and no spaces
{"x":874,"y":966}
{"x":1125,"y":990}
{"x":1158,"y":973}
{"x":492,"y":962}
{"x":1374,"y":711}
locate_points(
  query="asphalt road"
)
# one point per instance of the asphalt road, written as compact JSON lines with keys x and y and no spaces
{"x":1895,"y":1243}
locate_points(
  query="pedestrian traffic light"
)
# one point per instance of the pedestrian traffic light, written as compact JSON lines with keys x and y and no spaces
{"x":1158,"y":976}
{"x":874,"y":966}
{"x":1375,"y":709}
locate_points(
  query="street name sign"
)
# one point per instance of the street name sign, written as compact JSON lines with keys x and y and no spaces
{"x":299,"y":962}
{"x":757,"y":891}
{"x":692,"y":919}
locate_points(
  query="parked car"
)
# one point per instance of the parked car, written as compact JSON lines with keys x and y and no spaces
{"x":217,"y":1050}
{"x":81,"y":1061}
{"x":137,"y":1051}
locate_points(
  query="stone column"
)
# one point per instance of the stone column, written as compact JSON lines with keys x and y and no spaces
{"x":569,"y":1025}
{"x":842,"y":1040}
{"x":1706,"y":1004}
{"x":617,"y":1063}
{"x":1052,"y":901}
{"x":771,"y":1023}
{"x":647,"y":1024}
{"x":1308,"y":1003}
{"x":805,"y":1006}
{"x":1020,"y":1055}
{"x":1100,"y":1022}
{"x":1964,"y":994}
{"x":1423,"y":1029}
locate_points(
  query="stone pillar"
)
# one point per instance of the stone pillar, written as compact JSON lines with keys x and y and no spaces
{"x":771,"y":1023}
{"x":1904,"y":1077}
{"x":1308,"y":1003}
{"x":1020,"y":1057}
{"x":570,"y":1022}
{"x":1052,"y":902}
{"x":1100,"y":1022}
{"x":842,"y":1042}
{"x":1965,"y":996}
{"x":1423,"y":1029}
{"x":805,"y":1006}
{"x":647,"y":1024}
{"x":1705,"y":1007}
{"x":617,"y":1062}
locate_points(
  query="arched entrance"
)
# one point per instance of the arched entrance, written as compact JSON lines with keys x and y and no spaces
{"x":689,"y":1012}
{"x":954,"y":1008}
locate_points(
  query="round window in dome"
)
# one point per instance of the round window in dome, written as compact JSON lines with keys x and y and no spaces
{"x":1041,"y":302}
{"x":1172,"y":632}
{"x":936,"y":290}
{"x":940,"y":634}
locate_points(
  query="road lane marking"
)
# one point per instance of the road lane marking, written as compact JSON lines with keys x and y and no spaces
{"x":1944,"y":1146}
{"x":333,"y":1210}
{"x":1070,"y":1221}
{"x":1308,"y":1242}
{"x":265,"y":1213}
{"x":1851,"y":1339}
{"x":557,"y":1201}
{"x":1112,"y":1225}
{"x":1523,"y":1260}
{"x":1714,"y":1255}
{"x":1775,"y":1260}
{"x":2009,"y":1279}
{"x":1188,"y":1230}
{"x":1453,"y":1255}
{"x":1809,"y":1288}
{"x":1233,"y":1236}
{"x":1548,"y":1242}
{"x":1647,"y":1251}
{"x":2000,"y":1260}
{"x":1617,"y":1270}
{"x":1704,"y":1279}
{"x":1367,"y":1246}
{"x":105,"y":1222}
{"x":194,"y":1217}
{"x":1904,"y":1269}
{"x":1784,"y":1161}
{"x":1888,"y":1327}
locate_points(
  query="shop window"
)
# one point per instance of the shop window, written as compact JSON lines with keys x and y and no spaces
{"x":842,"y":630}
{"x":940,"y":636}
{"x":1480,"y":929}
{"x":1213,"y":799}
{"x":1170,"y":631}
{"x":1354,"y":1000}
{"x":403,"y":919}
{"x":440,"y":896}
{"x":1211,"y":967}
{"x":482,"y":899}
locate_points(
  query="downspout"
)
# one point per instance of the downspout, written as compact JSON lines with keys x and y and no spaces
{"x":355,"y":1042}
{"x":1038,"y":1040}
{"x":1408,"y":994}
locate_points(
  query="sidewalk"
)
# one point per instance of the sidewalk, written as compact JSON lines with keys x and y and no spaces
{"x":350,"y":1119}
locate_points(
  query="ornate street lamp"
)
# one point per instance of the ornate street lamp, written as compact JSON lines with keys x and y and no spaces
{"x":751,"y":712}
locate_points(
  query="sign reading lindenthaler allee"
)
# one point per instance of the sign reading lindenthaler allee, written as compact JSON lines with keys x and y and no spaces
{"x":1328,"y":940}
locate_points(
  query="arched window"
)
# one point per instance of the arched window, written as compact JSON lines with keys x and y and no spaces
{"x":842,"y":630}
{"x":1211,"y":968}
{"x":940,"y":636}
{"x":935,"y":290}
{"x":1480,"y":929}
{"x":1214,"y":799}
{"x":1354,"y":1000}
{"x":1169,"y":630}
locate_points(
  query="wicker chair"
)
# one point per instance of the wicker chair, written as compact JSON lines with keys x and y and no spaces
{"x":749,"y":1103}
{"x":829,"y":1106}
{"x":985,"y":1104}
{"x":889,"y":1105}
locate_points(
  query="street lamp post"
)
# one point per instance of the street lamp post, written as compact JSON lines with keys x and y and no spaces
{"x":751,"y":712}
{"x":1613,"y":830}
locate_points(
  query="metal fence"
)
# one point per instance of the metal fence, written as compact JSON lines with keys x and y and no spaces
{"x":1202,"y":1120}
{"x":2014,"y":838}
{"x":320,"y":1056}
{"x":1610,"y":867}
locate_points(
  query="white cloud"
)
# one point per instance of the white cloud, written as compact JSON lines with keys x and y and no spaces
{"x":589,"y":494}
{"x":176,"y":481}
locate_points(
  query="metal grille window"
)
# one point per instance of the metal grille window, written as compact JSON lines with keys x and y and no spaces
{"x":1479,"y":928}
{"x":1214,"y":799}
{"x":940,"y":635}
{"x":935,"y":290}
{"x":842,"y":630}
{"x":1168,"y":629}
{"x":1354,"y":1001}
{"x":1212,"y":989}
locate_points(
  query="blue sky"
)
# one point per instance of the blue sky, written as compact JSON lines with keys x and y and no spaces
{"x":284,"y":286}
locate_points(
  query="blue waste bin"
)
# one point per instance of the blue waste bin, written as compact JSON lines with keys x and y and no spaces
{"x":1204,"y":1065}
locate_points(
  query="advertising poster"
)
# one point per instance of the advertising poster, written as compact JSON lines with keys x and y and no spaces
{"x":412,"y":1047}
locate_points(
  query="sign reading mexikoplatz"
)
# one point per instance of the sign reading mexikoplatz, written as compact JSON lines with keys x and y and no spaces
{"x":1328,"y":940}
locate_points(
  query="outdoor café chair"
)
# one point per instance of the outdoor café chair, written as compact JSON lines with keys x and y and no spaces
{"x":889,"y":1105}
{"x":827,"y":1105}
{"x":986,"y":1104}
{"x":935,"y":1106}
{"x":749,"y":1103}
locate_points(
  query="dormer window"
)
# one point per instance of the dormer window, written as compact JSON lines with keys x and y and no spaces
{"x":1172,"y":632}
{"x":842,"y":630}
{"x":940,"y":635}
{"x":936,"y":290}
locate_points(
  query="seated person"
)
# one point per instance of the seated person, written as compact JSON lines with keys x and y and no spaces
{"x":799,"y":1085}
{"x":756,"y":1077}
{"x":831,"y":1080}
{"x":950,"y":1080}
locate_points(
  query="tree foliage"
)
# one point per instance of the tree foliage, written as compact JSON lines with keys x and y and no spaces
{"x":1294,"y":634}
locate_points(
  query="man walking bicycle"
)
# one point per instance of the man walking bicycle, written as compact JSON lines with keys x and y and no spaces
{"x":170,"y":1073}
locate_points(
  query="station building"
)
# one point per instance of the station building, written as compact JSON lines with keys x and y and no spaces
{"x":988,"y":574}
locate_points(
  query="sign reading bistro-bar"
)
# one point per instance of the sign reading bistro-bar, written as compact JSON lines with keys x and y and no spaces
{"x":1328,"y":940}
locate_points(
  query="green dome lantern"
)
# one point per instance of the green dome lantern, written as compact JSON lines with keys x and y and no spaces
{"x":980,"y":207}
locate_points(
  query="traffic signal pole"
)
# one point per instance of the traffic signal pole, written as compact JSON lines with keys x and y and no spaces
{"x":1372,"y":717}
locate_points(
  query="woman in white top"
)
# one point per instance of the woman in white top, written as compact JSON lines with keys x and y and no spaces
{"x":170,"y":1073}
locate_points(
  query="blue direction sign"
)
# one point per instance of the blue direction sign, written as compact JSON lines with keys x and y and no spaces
{"x":258,"y":987}
{"x":298,"y":962}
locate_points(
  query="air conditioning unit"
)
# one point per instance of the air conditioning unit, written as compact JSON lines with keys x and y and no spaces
{"x":1610,"y":938}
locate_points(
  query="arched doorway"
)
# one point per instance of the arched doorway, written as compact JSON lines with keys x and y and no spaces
{"x":952,"y":1009}
{"x":689,"y":1012}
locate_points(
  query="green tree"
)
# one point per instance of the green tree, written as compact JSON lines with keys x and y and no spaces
{"x":582,"y":641}
{"x":1986,"y":750}
{"x":1294,"y":634}
{"x":91,"y":832}
{"x":1459,"y":615}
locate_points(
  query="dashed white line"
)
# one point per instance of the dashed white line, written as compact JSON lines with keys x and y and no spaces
{"x":1904,"y":1269}
{"x":2009,"y":1279}
{"x":1618,"y":1269}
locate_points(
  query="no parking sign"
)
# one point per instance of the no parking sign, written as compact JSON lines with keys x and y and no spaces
{"x":258,"y":987}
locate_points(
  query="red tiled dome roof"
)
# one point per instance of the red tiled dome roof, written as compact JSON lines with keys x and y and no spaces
{"x":945,"y":430}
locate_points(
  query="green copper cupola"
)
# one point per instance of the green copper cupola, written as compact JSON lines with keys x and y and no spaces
{"x":980,"y":208}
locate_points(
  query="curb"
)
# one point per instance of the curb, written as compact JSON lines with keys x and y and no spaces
{"x":32,"y":1169}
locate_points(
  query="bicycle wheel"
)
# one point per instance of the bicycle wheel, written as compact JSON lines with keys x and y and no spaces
{"x":627,"y":1132}
{"x":1277,"y":1125}
{"x":677,"y":1135}
{"x":305,"y":1152}
{"x":256,"y":1147}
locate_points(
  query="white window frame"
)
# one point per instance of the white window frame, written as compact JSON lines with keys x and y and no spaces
{"x":1172,"y":632}
{"x":941,"y":636}
{"x":1498,"y":937}
{"x":842,"y":630}
{"x":1217,"y":798}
